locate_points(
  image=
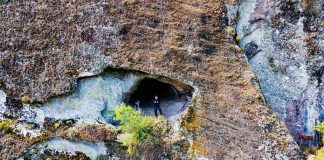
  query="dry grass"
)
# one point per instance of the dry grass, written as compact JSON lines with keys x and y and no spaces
{"x":92,"y":133}
{"x":170,"y":48}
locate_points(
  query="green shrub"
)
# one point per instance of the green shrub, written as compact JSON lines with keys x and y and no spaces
{"x":140,"y":133}
{"x":320,"y":154}
{"x":320,"y":128}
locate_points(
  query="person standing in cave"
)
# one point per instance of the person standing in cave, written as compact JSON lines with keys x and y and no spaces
{"x":156,"y":105}
{"x":137,"y":105}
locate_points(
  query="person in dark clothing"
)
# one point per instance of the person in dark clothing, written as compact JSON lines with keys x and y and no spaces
{"x":137,"y":105}
{"x":156,"y":105}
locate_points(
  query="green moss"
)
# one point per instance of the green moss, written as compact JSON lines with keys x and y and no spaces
{"x":5,"y":125}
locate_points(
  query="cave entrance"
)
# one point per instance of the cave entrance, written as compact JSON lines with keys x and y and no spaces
{"x":174,"y":97}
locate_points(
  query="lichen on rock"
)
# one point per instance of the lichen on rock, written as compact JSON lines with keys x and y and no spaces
{"x":63,"y":149}
{"x":287,"y":52}
{"x":46,"y":47}
{"x":2,"y":104}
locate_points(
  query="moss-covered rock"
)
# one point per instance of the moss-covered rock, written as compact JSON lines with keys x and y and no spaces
{"x":39,"y":45}
{"x":90,"y":132}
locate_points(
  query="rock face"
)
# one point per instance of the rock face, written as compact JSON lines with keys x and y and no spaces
{"x":284,"y":42}
{"x":101,"y":93}
{"x":91,"y":150}
{"x":2,"y":103}
{"x":44,"y":47}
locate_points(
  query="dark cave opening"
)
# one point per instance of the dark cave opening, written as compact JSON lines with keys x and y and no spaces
{"x":148,"y":88}
{"x":174,"y":98}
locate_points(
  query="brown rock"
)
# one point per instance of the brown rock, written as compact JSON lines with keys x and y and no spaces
{"x":158,"y":37}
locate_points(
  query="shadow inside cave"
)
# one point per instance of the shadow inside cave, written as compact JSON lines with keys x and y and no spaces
{"x":174,"y":98}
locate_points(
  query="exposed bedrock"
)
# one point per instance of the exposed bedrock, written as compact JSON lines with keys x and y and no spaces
{"x":94,"y":98}
{"x":59,"y":148}
{"x":284,"y":43}
{"x":46,"y":46}
{"x":3,"y":107}
{"x":89,"y":110}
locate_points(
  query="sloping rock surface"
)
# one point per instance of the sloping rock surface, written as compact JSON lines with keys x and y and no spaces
{"x":45,"y":46}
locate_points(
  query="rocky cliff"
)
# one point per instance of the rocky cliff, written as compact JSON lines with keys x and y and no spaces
{"x":284,"y":42}
{"x":46,"y":46}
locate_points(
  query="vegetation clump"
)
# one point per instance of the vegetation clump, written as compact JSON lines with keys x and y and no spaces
{"x":320,"y":128}
{"x":258,"y":96}
{"x":230,"y":31}
{"x":26,"y":100}
{"x":92,"y":133}
{"x":237,"y":39}
{"x":5,"y":125}
{"x":56,"y":125}
{"x":142,"y":134}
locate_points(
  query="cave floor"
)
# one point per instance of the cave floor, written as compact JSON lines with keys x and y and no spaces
{"x":172,"y":109}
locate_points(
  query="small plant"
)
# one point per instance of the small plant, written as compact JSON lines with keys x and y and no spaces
{"x":230,"y":31}
{"x":140,"y":133}
{"x":190,"y":150}
{"x":9,"y":116}
{"x":26,"y":100}
{"x":237,"y":39}
{"x":198,"y":149}
{"x":320,"y":128}
{"x":258,"y":96}
{"x":271,"y":62}
{"x":322,"y":24}
{"x":56,"y":125}
{"x":5,"y":125}
{"x":320,"y":154}
{"x":71,"y":134}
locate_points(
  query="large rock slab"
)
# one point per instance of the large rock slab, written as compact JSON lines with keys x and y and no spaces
{"x":44,"y":47}
{"x":284,"y":43}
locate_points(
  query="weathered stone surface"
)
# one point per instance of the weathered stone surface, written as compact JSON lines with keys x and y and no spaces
{"x":44,"y":47}
{"x":290,"y":62}
{"x":92,"y":133}
{"x":3,"y":107}
{"x":70,"y":150}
